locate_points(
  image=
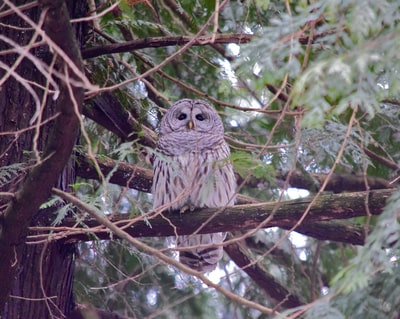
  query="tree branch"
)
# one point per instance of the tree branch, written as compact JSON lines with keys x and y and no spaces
{"x":107,"y":110}
{"x":123,"y":174}
{"x":380,"y":159}
{"x":157,"y":42}
{"x":262,"y":278}
{"x":239,"y":218}
{"x":139,"y":178}
{"x":123,"y":234}
{"x":335,"y":230}
{"x":337,"y":183}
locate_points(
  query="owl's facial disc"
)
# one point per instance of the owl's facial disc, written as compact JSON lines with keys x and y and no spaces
{"x":191,"y":116}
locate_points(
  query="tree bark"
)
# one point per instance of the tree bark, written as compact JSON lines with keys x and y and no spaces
{"x":43,"y":287}
{"x":140,"y":178}
{"x":162,"y":42}
{"x":316,"y":222}
{"x":38,"y":278}
{"x":238,"y":253}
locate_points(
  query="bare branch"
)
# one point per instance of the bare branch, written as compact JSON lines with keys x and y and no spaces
{"x":162,"y":42}
{"x":383,"y":160}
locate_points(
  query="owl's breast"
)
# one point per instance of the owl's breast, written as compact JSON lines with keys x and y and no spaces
{"x":177,"y":144}
{"x":197,"y":179}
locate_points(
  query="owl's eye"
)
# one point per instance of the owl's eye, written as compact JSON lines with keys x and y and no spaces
{"x":182,"y":116}
{"x":200,"y":117}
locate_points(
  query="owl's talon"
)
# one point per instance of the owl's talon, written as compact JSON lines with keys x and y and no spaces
{"x":187,"y":208}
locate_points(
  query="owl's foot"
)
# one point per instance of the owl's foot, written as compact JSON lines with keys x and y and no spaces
{"x":187,"y":208}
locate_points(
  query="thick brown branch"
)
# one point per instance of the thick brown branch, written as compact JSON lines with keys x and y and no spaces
{"x":338,"y":182}
{"x":107,"y":110}
{"x":245,"y":217}
{"x":123,"y":174}
{"x":139,"y":178}
{"x":162,"y":42}
{"x":335,"y":230}
{"x":262,"y":278}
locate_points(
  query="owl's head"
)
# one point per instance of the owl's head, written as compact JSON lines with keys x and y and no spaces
{"x":191,"y":116}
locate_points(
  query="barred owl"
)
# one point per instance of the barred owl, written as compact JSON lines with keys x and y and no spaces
{"x":192,"y":170}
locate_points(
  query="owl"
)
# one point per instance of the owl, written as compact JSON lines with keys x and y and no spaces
{"x":192,"y":170}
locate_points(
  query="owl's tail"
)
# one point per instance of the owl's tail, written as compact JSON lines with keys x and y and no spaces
{"x":205,"y":258}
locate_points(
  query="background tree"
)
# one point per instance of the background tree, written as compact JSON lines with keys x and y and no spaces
{"x":39,"y":106}
{"x":309,"y":95}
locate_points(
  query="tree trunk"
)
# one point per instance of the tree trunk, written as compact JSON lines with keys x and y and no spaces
{"x":43,"y":284}
{"x":43,"y":287}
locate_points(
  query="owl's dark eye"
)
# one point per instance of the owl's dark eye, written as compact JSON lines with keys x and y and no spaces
{"x":182,"y":116}
{"x":200,"y":117}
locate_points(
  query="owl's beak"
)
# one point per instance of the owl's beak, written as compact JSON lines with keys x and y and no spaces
{"x":190,"y":125}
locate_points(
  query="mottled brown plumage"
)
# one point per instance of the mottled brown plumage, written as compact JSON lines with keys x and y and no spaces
{"x":192,"y":170}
